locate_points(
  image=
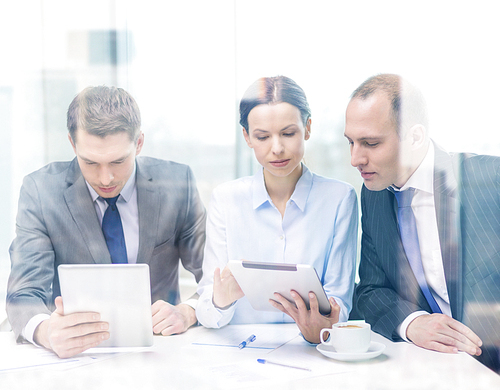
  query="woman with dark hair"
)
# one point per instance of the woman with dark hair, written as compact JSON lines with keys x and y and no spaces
{"x":282,"y":214}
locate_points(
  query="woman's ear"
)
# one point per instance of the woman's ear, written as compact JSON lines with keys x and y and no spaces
{"x":307,"y":135}
{"x":247,"y":138}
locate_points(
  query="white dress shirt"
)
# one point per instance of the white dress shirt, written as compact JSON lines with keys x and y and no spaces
{"x":319,"y":228}
{"x":424,"y":209}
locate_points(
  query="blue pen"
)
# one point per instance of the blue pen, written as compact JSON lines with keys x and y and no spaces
{"x":264,"y":361}
{"x":243,"y":344}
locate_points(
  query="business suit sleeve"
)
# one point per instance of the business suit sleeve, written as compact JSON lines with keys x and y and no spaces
{"x":481,"y":230}
{"x":191,"y":240}
{"x":381,"y":277}
{"x":215,"y":256}
{"x":29,"y":290}
{"x":480,"y":227}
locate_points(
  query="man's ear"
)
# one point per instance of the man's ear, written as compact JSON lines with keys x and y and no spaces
{"x":139,"y":144}
{"x":417,"y":137}
{"x":72,"y":142}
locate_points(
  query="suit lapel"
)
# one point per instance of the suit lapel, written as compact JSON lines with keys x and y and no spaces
{"x":148,"y":202}
{"x":81,"y":208}
{"x":448,"y":221}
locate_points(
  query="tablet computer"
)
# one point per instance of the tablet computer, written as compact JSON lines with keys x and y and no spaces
{"x":121,"y":293}
{"x":259,"y":281}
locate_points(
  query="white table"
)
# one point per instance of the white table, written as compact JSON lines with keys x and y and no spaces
{"x":176,"y":363}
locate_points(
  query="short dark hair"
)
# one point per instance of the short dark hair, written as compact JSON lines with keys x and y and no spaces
{"x":103,"y":111}
{"x":408,"y":105}
{"x":273,"y":90}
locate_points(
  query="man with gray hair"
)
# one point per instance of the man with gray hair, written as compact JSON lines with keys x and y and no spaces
{"x":64,"y":217}
{"x":430,"y":248}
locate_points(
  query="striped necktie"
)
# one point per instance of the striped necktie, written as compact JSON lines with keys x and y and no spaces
{"x":409,"y":236}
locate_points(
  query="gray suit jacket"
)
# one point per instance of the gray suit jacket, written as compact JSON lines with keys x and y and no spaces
{"x":467,"y":200}
{"x":57,"y":224}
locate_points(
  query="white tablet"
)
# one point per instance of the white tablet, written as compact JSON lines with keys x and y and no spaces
{"x":259,"y":281}
{"x":121,"y":293}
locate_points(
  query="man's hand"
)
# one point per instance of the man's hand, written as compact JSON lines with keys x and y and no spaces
{"x":226,"y":288}
{"x":442,"y":333}
{"x":69,"y":335}
{"x":310,"y":322}
{"x":169,"y":319}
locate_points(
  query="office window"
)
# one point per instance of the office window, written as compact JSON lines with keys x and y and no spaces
{"x":188,"y":63}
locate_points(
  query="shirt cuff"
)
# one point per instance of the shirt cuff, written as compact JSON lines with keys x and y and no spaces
{"x":404,"y":325}
{"x":29,"y":329}
{"x":191,"y":302}
{"x":210,"y":316}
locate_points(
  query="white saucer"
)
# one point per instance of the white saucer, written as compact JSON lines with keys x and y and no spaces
{"x":375,"y":350}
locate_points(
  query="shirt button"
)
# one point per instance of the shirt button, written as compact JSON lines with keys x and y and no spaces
{"x":282,"y":237}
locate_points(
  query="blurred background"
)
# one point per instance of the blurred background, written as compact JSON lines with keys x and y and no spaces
{"x":187,"y":63}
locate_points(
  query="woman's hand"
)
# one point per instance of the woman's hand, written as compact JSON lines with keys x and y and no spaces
{"x":310,"y":322}
{"x":226,"y":289}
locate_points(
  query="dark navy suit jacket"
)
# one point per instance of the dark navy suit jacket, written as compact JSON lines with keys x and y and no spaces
{"x":467,"y":200}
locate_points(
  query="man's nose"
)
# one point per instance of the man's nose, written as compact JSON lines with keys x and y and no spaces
{"x":105,"y":176}
{"x":358,"y":156}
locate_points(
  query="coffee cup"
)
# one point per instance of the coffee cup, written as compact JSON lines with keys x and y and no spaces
{"x":348,"y":337}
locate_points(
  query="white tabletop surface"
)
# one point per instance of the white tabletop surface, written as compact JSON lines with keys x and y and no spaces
{"x":186,"y":362}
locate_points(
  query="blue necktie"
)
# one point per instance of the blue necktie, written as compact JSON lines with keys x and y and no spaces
{"x":113,"y":232}
{"x":409,"y":236}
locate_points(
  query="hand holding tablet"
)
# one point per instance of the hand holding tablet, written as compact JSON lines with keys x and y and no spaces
{"x":226,"y":288}
{"x":260,"y":282}
{"x":293,"y":289}
{"x":69,"y":335}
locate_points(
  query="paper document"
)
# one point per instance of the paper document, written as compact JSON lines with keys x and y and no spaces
{"x":27,"y":356}
{"x":278,"y":344}
{"x":267,"y":338}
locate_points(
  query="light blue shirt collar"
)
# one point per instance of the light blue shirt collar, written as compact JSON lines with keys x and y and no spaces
{"x":299,"y":196}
